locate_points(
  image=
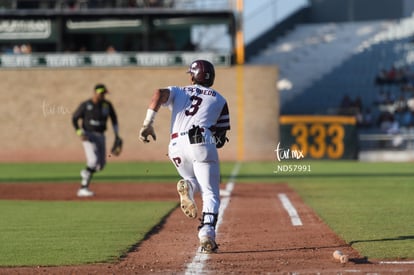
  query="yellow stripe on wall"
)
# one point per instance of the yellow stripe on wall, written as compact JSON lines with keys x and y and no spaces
{"x":320,"y":119}
{"x":240,"y":111}
{"x":239,"y":33}
{"x":240,"y":48}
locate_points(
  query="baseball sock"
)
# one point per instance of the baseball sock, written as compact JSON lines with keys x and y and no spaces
{"x":87,"y":174}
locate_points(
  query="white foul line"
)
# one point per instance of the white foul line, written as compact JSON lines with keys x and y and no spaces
{"x":197,"y":264}
{"x":296,"y":221}
{"x":294,"y":216}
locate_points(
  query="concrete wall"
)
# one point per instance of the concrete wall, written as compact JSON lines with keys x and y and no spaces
{"x":37,"y":105}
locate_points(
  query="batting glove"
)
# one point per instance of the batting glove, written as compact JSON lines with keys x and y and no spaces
{"x":147,"y":130}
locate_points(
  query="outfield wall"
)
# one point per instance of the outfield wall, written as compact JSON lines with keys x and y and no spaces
{"x":37,"y":105}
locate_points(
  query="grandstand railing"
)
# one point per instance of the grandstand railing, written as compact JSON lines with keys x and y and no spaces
{"x":397,"y":141}
{"x":106,"y":26}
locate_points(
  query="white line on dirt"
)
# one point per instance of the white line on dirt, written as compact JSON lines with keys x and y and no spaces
{"x":396,"y":262}
{"x":197,"y":264}
{"x":293,"y":214}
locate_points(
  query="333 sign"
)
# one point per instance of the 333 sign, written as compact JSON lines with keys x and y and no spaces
{"x":320,"y":137}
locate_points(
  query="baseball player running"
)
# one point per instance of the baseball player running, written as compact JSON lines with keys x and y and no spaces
{"x":200,"y":119}
{"x":94,"y":113}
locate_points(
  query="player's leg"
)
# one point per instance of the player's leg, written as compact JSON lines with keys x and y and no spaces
{"x":208,"y":174}
{"x":90,"y":149}
{"x":188,"y":185}
{"x":207,"y":171}
{"x":100,"y":142}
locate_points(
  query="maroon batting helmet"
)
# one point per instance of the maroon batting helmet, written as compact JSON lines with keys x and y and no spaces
{"x":202,"y":72}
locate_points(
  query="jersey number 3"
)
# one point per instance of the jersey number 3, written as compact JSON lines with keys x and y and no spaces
{"x":196,"y":101}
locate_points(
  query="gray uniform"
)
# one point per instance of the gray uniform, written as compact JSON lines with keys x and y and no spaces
{"x":94,"y":118}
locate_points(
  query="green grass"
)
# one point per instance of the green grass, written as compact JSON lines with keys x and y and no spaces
{"x":69,"y":172}
{"x":136,"y":172}
{"x":375,"y":217}
{"x":369,"y":205}
{"x":67,"y":233}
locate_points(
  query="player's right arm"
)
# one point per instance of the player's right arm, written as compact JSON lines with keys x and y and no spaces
{"x":159,"y":97}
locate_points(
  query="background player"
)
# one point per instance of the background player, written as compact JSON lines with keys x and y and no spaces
{"x":94,"y":114}
{"x":200,"y":119}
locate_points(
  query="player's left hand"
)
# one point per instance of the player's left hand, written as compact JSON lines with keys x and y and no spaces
{"x":81,"y":134}
{"x":147,"y":130}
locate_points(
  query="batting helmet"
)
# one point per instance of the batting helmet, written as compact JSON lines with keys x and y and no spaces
{"x":202,"y":72}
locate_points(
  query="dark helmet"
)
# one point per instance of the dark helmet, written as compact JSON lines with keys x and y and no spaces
{"x":202,"y":72}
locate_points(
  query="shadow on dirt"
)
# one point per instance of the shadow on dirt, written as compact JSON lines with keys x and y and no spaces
{"x":399,"y":238}
{"x":283,"y":249}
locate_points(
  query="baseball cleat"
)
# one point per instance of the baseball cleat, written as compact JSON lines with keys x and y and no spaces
{"x":188,"y":205}
{"x":85,"y":192}
{"x":208,"y":245}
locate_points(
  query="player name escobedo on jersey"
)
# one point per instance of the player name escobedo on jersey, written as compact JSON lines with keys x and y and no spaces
{"x":199,"y":91}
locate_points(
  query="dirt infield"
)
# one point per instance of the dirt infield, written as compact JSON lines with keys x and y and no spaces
{"x":255,"y":235}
